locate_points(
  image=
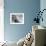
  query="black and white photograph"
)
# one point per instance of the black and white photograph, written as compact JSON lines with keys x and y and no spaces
{"x":16,"y":18}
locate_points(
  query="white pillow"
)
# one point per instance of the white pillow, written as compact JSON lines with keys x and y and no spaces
{"x":21,"y":42}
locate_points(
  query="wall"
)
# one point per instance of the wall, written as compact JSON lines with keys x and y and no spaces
{"x":43,"y":6}
{"x":29,"y":8}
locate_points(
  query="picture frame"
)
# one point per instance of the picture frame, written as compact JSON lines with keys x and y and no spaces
{"x":16,"y":18}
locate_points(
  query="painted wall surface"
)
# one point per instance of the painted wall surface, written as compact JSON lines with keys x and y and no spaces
{"x":29,"y":8}
{"x":43,"y":6}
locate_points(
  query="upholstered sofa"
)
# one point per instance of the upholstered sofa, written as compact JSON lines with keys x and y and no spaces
{"x":39,"y":33}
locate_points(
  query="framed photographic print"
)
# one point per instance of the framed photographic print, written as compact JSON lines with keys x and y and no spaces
{"x":16,"y":18}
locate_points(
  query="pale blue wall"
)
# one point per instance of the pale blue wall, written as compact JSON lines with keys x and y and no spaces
{"x":43,"y":6}
{"x":28,"y":7}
